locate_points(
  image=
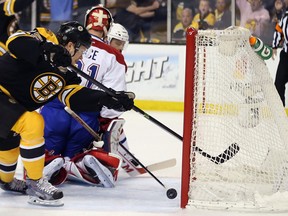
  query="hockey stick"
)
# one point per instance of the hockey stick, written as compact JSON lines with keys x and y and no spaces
{"x":98,"y":142}
{"x":171,"y":193}
{"x":135,"y":108}
{"x":225,"y":156}
{"x":152,"y":167}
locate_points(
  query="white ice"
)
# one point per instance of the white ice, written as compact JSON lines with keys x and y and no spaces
{"x":137,"y":196}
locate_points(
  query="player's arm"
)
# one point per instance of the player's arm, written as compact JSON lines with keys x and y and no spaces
{"x":82,"y":99}
{"x":10,"y":7}
{"x":28,"y":47}
{"x":23,"y":46}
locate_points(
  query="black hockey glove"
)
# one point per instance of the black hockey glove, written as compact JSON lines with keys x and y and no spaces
{"x":122,"y":101}
{"x":56,"y":55}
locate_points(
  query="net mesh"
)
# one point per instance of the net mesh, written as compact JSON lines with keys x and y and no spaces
{"x":235,"y":102}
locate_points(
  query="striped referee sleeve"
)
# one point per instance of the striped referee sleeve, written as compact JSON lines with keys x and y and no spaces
{"x":281,"y":33}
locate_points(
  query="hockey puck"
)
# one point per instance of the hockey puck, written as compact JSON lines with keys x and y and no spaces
{"x":171,"y":193}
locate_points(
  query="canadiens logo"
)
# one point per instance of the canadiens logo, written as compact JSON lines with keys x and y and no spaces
{"x":46,"y":86}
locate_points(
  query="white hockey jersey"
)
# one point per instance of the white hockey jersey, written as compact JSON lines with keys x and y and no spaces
{"x":107,"y":65}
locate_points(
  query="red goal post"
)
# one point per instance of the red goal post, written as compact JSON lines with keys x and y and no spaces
{"x":235,"y":130}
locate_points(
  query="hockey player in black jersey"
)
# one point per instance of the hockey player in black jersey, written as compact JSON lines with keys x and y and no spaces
{"x":8,"y":20}
{"x":32,"y":73}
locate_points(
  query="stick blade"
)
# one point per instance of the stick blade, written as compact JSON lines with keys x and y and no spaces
{"x":230,"y":152}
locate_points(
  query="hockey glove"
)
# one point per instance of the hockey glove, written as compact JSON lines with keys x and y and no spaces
{"x":56,"y":55}
{"x":122,"y":101}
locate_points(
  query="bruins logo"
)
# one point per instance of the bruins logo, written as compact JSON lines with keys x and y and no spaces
{"x":46,"y":86}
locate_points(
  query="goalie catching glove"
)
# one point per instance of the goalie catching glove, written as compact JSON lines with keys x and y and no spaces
{"x":56,"y":55}
{"x":121,"y":101}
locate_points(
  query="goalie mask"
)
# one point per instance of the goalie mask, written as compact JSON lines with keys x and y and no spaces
{"x":118,"y":32}
{"x":73,"y":32}
{"x":98,"y":18}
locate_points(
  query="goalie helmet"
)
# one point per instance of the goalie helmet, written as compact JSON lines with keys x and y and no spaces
{"x":74,"y":32}
{"x":98,"y":18}
{"x":119,"y":32}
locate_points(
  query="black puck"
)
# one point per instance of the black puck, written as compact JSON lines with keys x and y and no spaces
{"x":171,"y":193}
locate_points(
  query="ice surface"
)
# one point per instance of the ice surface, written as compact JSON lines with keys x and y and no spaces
{"x":137,"y":196}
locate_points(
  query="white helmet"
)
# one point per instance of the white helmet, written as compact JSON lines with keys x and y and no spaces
{"x":119,"y":32}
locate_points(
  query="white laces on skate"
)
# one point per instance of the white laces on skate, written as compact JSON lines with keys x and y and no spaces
{"x":45,"y":186}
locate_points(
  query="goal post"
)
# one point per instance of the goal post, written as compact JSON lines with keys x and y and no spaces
{"x":235,"y":129}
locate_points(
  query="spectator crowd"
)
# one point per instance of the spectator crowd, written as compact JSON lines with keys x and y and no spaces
{"x":146,"y":20}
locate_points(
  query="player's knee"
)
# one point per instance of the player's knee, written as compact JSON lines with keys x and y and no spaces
{"x":11,"y":142}
{"x":32,"y":129}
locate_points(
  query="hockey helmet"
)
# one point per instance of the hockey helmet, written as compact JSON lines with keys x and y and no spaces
{"x":74,"y":32}
{"x":98,"y":18}
{"x":118,"y":31}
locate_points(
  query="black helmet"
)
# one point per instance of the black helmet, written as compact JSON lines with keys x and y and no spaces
{"x":74,"y":32}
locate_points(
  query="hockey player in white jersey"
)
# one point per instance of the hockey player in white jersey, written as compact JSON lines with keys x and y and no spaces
{"x":118,"y":37}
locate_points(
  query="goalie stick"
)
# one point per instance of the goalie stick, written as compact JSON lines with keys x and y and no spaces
{"x":230,"y":152}
{"x":132,"y":168}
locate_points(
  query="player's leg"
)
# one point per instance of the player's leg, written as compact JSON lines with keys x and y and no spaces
{"x":30,"y":126}
{"x":56,"y":131}
{"x":79,"y":138}
{"x":57,"y":126}
{"x":9,"y":153}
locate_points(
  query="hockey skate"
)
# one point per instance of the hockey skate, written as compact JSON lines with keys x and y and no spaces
{"x":97,"y":170}
{"x":41,"y":192}
{"x":14,"y":186}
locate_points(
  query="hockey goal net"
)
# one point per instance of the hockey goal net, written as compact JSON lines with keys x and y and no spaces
{"x":235,"y":127}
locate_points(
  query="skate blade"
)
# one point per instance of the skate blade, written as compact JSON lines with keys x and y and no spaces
{"x":37,"y":201}
{"x":103,"y":173}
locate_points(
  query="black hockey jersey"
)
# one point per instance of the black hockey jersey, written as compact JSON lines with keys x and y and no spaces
{"x":8,"y":21}
{"x":33,"y":82}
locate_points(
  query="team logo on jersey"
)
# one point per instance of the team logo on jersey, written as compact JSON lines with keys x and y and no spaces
{"x":46,"y":86}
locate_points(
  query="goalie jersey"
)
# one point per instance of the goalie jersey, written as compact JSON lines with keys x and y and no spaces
{"x":9,"y":24}
{"x":106,"y":65}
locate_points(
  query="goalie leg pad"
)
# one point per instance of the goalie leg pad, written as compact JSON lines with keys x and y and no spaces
{"x":111,"y":161}
{"x":53,"y":170}
{"x":94,"y":167}
{"x":78,"y":173}
{"x":111,"y":137}
{"x":97,"y":170}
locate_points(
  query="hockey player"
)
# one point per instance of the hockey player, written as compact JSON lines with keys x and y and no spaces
{"x":9,"y":23}
{"x":107,"y":65}
{"x":32,"y":74}
{"x":118,"y":37}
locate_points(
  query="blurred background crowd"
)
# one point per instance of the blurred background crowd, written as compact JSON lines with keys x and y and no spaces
{"x":164,"y":21}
